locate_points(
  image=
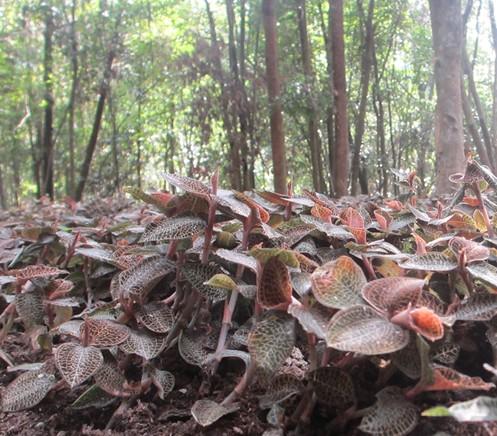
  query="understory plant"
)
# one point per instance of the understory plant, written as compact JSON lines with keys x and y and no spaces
{"x":347,"y":314}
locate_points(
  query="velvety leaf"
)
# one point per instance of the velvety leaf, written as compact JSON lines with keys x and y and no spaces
{"x":473,"y":251}
{"x":167,"y":229}
{"x":164,"y":382}
{"x":198,"y":274}
{"x":391,"y":294}
{"x":27,"y":390}
{"x":360,"y":329}
{"x":156,"y":316}
{"x":191,"y":348}
{"x":264,"y":255}
{"x":485,"y":272}
{"x":29,"y":306}
{"x":137,"y":281}
{"x":77,"y":363}
{"x":392,"y":415}
{"x":207,"y":412}
{"x":103,"y":333}
{"x":338,"y":283}
{"x":433,"y":261}
{"x":221,"y":281}
{"x":238,"y":258}
{"x":94,"y":396}
{"x":312,"y":319}
{"x":271,"y":341}
{"x":279,"y":389}
{"x":188,"y":185}
{"x":35,"y":271}
{"x":111,"y":380}
{"x":275,"y":288}
{"x":333,"y":387}
{"x":144,"y":344}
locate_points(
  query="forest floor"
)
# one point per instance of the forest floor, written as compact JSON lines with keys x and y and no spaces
{"x":25,"y":235}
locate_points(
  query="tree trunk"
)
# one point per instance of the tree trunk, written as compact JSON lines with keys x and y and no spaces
{"x":341,"y":149}
{"x":312,"y":109}
{"x":380,"y":127}
{"x":330,"y":135}
{"x":47,"y":187}
{"x":273,"y":87}
{"x":479,"y":110}
{"x":114,"y":142}
{"x":92,"y":142}
{"x":3,"y":202}
{"x":446,"y":24}
{"x":72,"y":100}
{"x":494,"y":89}
{"x":366,"y":63}
{"x":239,"y":93}
{"x":235,"y":175}
{"x":472,"y":128}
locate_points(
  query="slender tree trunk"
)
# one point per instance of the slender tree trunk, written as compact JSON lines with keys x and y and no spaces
{"x":139,"y":142}
{"x":366,"y":63}
{"x":235,"y":164}
{"x":494,"y":89}
{"x":312,"y":109}
{"x":341,"y":150}
{"x":273,"y":87}
{"x":92,"y":142}
{"x":472,"y":128}
{"x":479,"y":110}
{"x":380,"y":127}
{"x":72,"y":100}
{"x":239,"y":93}
{"x":330,"y":129}
{"x":3,"y":201}
{"x":114,"y":142}
{"x":47,"y":186}
{"x":446,"y":24}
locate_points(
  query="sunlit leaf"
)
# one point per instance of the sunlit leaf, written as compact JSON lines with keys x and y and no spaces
{"x":391,"y":294}
{"x":432,"y":261}
{"x":478,"y":409}
{"x":360,"y":329}
{"x":338,"y":283}
{"x":221,"y":281}
{"x":263,"y":255}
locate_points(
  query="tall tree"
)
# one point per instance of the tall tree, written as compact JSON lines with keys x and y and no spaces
{"x":367,"y":41}
{"x":273,"y":88}
{"x":341,"y":146}
{"x":218,"y":72}
{"x":47,"y":154}
{"x":312,"y":107}
{"x":97,"y":121}
{"x":446,"y":25}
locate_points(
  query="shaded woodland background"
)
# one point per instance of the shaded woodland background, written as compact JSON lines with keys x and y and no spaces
{"x":97,"y":95}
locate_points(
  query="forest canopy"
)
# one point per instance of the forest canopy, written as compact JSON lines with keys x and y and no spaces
{"x":98,"y":95}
